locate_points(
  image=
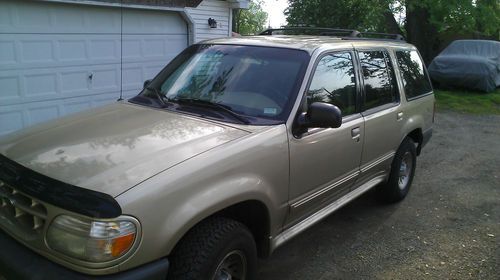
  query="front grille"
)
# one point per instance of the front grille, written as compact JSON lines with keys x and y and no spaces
{"x":21,"y":214}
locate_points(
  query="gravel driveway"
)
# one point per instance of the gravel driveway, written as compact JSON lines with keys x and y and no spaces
{"x":448,"y":227}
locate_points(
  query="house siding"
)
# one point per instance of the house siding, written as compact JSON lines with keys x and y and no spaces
{"x":216,"y":9}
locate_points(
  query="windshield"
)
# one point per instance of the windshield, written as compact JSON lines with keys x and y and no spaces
{"x":258,"y":83}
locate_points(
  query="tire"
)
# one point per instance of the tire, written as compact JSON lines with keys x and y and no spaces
{"x":402,"y":172}
{"x":212,"y":249}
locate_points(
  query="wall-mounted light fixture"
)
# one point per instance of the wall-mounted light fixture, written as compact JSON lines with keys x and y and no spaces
{"x":212,"y":23}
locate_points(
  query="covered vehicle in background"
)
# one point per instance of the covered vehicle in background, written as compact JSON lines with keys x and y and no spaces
{"x":471,"y":64}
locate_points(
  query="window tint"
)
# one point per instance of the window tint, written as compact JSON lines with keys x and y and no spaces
{"x":415,"y":79}
{"x":333,"y":82}
{"x":380,"y":85}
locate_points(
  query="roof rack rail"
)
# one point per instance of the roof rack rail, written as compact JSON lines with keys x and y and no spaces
{"x":337,"y":32}
{"x":378,"y":35}
{"x":321,"y":31}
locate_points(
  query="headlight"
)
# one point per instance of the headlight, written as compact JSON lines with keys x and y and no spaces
{"x":90,"y":240}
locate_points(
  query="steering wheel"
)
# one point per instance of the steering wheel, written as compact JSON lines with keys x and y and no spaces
{"x":275,"y":95}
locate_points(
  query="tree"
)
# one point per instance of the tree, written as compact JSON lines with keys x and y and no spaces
{"x":349,"y":14}
{"x":250,"y":21}
{"x":425,"y":21}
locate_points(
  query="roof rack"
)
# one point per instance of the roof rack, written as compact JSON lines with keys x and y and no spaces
{"x":321,"y":31}
{"x":349,"y":34}
{"x":387,"y":36}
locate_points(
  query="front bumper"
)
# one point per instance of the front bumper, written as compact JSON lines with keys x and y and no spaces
{"x":19,"y":262}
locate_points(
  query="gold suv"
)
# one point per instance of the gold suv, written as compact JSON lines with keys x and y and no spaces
{"x":234,"y":148}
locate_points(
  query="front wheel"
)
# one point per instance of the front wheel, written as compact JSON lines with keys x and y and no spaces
{"x":402,"y":172}
{"x":216,"y":249}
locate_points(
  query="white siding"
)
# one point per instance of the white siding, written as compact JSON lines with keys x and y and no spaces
{"x":216,"y":9}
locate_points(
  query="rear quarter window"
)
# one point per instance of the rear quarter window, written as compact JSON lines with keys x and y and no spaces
{"x":415,"y":79}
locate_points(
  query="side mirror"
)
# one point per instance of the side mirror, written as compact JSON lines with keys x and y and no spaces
{"x":320,"y":114}
{"x":146,"y":83}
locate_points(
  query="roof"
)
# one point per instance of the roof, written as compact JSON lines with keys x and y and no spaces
{"x":307,"y":43}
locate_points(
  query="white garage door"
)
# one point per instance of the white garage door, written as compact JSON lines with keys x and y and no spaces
{"x":56,"y":59}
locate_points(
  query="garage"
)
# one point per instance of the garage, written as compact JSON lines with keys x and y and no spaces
{"x":57,"y":58}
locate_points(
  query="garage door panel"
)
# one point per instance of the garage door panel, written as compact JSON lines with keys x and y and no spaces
{"x":11,"y":121}
{"x":156,"y":22}
{"x":21,"y":51}
{"x":14,"y":117}
{"x":40,"y":50}
{"x":133,"y":77}
{"x":10,"y":88}
{"x":46,"y":17}
{"x":7,"y":52}
{"x":143,"y":48}
{"x":71,"y":50}
{"x":38,"y":84}
{"x":43,"y":113}
{"x":77,"y":104}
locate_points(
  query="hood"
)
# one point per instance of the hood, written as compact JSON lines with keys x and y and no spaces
{"x":113,"y":148}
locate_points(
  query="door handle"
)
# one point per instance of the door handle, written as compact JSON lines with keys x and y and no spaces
{"x":399,"y":116}
{"x":356,"y":134}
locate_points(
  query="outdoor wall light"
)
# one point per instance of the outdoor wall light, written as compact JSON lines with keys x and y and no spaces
{"x":212,"y":23}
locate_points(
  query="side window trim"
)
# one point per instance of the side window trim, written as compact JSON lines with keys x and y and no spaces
{"x":356,"y":77}
{"x":362,"y":82}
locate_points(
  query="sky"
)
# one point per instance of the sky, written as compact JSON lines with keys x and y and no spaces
{"x":274,"y":9}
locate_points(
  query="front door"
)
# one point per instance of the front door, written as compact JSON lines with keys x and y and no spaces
{"x":324,"y":163}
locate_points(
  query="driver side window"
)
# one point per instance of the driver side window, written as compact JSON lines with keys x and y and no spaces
{"x":334,"y":82}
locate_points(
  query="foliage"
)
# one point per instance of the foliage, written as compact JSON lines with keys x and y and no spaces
{"x":250,"y":21}
{"x":461,"y":16}
{"x":481,"y":16}
{"x":350,"y":14}
{"x":469,"y":102}
{"x":425,"y":22}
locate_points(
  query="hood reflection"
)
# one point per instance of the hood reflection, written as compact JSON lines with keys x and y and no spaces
{"x":112,"y":150}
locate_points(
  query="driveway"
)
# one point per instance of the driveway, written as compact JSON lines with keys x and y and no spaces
{"x":448,"y":227}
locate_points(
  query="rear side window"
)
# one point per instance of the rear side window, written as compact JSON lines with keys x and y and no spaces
{"x":334,"y":82}
{"x":415,"y":79}
{"x":378,"y":75}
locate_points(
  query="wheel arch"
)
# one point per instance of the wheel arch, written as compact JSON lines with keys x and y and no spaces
{"x":417,"y":136}
{"x":252,"y":213}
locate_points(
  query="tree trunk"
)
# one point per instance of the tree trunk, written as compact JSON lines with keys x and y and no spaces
{"x":236,"y":20}
{"x":420,"y":32}
{"x":391,"y":25}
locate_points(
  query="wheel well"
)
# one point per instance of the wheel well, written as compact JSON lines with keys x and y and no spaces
{"x":417,"y":137}
{"x":254,"y":215}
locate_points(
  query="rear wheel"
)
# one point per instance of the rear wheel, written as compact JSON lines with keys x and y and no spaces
{"x":402,"y":172}
{"x":216,"y":249}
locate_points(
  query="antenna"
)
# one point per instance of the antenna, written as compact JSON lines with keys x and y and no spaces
{"x":121,"y":51}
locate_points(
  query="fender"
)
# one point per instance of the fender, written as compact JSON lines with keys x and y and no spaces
{"x":411,"y":123}
{"x":182,"y":196}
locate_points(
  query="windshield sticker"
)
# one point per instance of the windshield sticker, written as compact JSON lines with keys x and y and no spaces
{"x":270,"y":111}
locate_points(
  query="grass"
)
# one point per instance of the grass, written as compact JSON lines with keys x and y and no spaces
{"x":469,"y":102}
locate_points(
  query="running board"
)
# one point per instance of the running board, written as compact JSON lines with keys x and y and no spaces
{"x":288,"y":234}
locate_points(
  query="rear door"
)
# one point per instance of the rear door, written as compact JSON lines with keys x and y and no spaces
{"x":381,"y":112}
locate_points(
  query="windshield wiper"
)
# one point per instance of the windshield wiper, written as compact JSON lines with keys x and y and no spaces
{"x":206,"y":103}
{"x":159,"y":96}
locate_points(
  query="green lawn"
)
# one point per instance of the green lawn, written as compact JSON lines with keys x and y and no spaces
{"x":469,"y":102}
